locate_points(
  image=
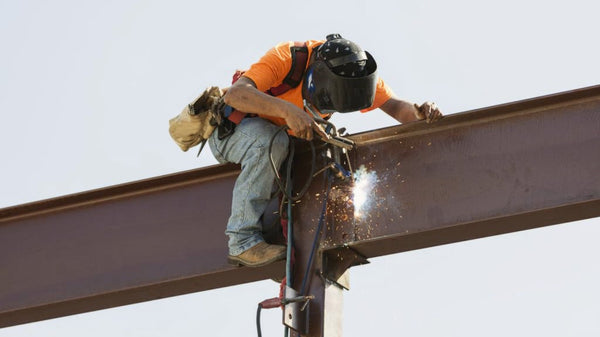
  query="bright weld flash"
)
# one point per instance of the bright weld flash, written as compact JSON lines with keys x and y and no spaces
{"x":364,"y":182}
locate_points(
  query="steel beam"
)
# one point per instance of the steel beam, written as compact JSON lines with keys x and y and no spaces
{"x":474,"y":174}
{"x":486,"y":172}
{"x":120,"y":245}
{"x":491,"y":171}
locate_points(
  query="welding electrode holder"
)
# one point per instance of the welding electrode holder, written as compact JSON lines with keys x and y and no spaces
{"x":337,"y":152}
{"x":340,"y":146}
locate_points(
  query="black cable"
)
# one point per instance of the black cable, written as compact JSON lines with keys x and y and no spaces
{"x":275,"y":170}
{"x":313,"y":164}
{"x":258,"y":320}
{"x":282,"y":188}
{"x":287,"y":196}
{"x":317,"y":234}
{"x":278,"y":179}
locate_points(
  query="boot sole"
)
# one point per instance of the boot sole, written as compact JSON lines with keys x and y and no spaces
{"x":234,"y":260}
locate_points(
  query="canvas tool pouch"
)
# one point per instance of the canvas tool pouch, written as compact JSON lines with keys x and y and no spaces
{"x":197,"y":121}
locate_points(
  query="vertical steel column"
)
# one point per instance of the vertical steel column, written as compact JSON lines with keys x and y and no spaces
{"x":327,"y":276}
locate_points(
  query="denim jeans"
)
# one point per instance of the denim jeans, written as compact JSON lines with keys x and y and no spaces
{"x":249,"y":146}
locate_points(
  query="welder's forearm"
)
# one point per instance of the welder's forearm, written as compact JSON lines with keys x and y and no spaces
{"x":402,"y":111}
{"x":248,"y":99}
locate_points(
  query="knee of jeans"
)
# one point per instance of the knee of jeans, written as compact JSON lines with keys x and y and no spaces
{"x":215,"y":149}
{"x":279,"y":149}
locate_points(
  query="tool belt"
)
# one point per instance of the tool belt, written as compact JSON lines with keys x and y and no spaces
{"x":197,"y":120}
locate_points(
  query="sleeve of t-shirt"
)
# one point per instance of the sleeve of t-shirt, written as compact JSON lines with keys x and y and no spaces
{"x":272,"y":68}
{"x":382,"y":93}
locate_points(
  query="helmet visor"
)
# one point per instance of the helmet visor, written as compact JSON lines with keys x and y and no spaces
{"x":330,"y":92}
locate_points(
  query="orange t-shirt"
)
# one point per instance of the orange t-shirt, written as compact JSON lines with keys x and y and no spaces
{"x":272,"y":68}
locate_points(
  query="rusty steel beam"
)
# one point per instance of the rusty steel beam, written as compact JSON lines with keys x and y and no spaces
{"x":120,"y":245}
{"x":485,"y":172}
{"x":490,"y":171}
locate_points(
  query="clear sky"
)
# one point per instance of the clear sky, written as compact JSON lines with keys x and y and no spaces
{"x":87,"y":88}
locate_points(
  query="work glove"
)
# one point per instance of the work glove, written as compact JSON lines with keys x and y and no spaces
{"x":428,"y":111}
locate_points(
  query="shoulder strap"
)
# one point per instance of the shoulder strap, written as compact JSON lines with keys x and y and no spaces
{"x":299,"y":53}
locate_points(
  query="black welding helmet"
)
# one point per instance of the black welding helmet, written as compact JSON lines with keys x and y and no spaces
{"x":340,"y":77}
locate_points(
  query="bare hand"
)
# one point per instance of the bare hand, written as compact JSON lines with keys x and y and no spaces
{"x":301,"y":124}
{"x":429,"y":111}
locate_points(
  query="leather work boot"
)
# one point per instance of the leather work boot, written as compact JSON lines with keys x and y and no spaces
{"x":259,"y":255}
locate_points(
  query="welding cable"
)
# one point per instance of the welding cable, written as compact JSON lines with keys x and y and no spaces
{"x":258,"y":328}
{"x":286,"y":190}
{"x":274,"y":167}
{"x":278,"y":179}
{"x":258,"y":320}
{"x":317,"y":234}
{"x":270,"y":303}
{"x":290,"y":224}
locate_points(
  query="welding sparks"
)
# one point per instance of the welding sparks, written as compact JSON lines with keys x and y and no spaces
{"x":364,"y":182}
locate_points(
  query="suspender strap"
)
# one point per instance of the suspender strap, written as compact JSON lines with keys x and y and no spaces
{"x":294,"y":77}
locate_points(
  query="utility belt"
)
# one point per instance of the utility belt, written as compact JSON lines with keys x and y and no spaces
{"x":230,"y":118}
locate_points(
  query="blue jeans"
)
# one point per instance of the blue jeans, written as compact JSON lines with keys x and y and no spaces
{"x":249,"y":146}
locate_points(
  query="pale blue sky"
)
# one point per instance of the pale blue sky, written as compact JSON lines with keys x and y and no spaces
{"x":87,"y":88}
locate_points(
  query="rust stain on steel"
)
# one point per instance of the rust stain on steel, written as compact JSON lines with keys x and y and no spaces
{"x":124,"y":244}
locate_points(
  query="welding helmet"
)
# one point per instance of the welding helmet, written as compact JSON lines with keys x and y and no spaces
{"x":340,"y":77}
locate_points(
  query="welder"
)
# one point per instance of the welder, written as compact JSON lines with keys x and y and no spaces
{"x":291,"y":85}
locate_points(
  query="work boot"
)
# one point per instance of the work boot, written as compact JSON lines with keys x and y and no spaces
{"x":259,"y":255}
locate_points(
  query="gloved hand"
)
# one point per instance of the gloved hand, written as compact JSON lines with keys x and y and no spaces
{"x":428,"y":111}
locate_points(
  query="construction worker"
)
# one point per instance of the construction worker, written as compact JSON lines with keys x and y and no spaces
{"x":339,"y":76}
